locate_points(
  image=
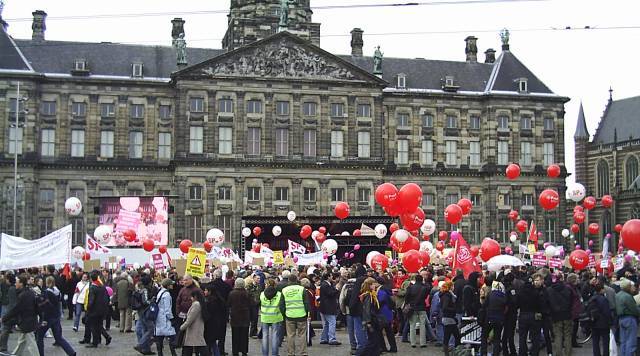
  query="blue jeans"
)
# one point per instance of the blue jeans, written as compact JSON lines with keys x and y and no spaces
{"x":328,"y":328}
{"x":360,"y":332}
{"x":144,"y":332}
{"x":628,"y":335}
{"x":351,"y":332}
{"x":56,"y":330}
{"x":78,"y":309}
{"x":270,"y":337}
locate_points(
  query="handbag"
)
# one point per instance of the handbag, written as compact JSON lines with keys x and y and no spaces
{"x":407,"y":310}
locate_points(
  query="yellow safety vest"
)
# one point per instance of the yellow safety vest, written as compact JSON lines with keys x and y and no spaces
{"x":270,"y":309}
{"x":294,"y":301}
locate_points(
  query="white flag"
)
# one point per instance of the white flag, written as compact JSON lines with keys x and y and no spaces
{"x":296,"y":248}
{"x":94,"y":248}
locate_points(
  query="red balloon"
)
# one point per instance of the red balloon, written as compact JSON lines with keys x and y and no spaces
{"x":412,"y":243}
{"x":424,"y":256}
{"x":394,"y":227}
{"x":549,"y":199}
{"x":618,"y":228}
{"x":553,"y":171}
{"x":521,"y":226}
{"x":148,"y":245}
{"x":342,"y":210}
{"x":514,"y":215}
{"x":607,"y":201}
{"x":442,"y":235}
{"x":305,"y":232}
{"x":578,"y":208}
{"x":475,"y":251}
{"x":321,"y":238}
{"x":129,"y":235}
{"x":440,"y":246}
{"x":185,"y":245}
{"x":257,"y":231}
{"x":409,"y":197}
{"x":513,"y":171}
{"x":579,"y":259}
{"x":386,"y":194}
{"x":589,"y":203}
{"x":489,"y":248}
{"x":207,"y":246}
{"x":575,"y":228}
{"x":579,"y":217}
{"x":466,"y":205}
{"x":86,"y":257}
{"x":594,"y":228}
{"x":393,"y":210}
{"x":453,"y":214}
{"x":162,"y":249}
{"x":379,"y":263}
{"x":411,"y":261}
{"x":256,"y":248}
{"x":414,"y":220}
{"x":357,"y":232}
{"x":631,"y":234}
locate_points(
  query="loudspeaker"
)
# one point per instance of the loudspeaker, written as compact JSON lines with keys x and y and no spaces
{"x":171,"y":209}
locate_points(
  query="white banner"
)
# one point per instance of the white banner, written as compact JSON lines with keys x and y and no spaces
{"x":52,"y":249}
{"x":310,"y":259}
{"x":94,"y":248}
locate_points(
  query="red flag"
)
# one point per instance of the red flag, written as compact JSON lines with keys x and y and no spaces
{"x":169,"y":259}
{"x":533,"y":233}
{"x":464,"y":260}
{"x":66,"y":271}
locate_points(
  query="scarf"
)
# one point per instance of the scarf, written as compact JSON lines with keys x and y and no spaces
{"x":374,"y":298}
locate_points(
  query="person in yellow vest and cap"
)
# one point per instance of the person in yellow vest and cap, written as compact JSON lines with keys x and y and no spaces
{"x":294,"y":305}
{"x":271,"y":318}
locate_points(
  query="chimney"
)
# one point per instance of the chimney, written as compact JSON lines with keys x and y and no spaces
{"x":38,"y":26}
{"x":356,"y":42}
{"x":3,"y":23}
{"x":490,"y":56}
{"x":471,"y":50}
{"x":177,"y":28}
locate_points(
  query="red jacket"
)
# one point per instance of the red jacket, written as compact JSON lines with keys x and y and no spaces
{"x":397,"y":281}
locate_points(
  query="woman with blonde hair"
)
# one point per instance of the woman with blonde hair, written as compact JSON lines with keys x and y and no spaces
{"x":370,"y":317}
{"x":448,"y":313}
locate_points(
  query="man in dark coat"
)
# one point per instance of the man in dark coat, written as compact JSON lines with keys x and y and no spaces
{"x":222,"y":289}
{"x":355,"y":308}
{"x":458,"y":285}
{"x":328,"y":310}
{"x":471,"y":295}
{"x":97,"y":304}
{"x":9,"y":300}
{"x":25,"y":315}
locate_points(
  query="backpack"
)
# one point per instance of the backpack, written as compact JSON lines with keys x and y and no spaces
{"x":151,"y":313}
{"x":135,"y":300}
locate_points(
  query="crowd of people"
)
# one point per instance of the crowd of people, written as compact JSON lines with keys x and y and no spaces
{"x":168,"y":312}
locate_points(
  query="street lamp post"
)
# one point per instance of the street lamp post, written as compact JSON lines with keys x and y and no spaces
{"x":15,"y":163}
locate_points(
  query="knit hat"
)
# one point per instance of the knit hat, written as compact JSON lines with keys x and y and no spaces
{"x":166,"y":283}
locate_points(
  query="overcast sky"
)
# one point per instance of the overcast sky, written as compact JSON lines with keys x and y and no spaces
{"x":580,"y":64}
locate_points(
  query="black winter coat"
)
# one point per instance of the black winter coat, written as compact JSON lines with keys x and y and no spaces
{"x":416,"y":296}
{"x":98,"y":302}
{"x":328,"y":299}
{"x":559,"y":297}
{"x":25,"y":313}
{"x":599,"y":312}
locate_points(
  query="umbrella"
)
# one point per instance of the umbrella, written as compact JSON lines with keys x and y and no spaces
{"x":497,"y":262}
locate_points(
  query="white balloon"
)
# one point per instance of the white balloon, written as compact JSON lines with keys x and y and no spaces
{"x":402,"y":235}
{"x":130,"y":203}
{"x":78,"y":252}
{"x":345,"y":233}
{"x":565,"y":233}
{"x":370,"y":256}
{"x":631,"y":253}
{"x":314,"y":234}
{"x":576,"y":192}
{"x":215,"y":236}
{"x":426,"y":246}
{"x":428,"y":227}
{"x":329,"y":246}
{"x":73,"y":206}
{"x":102,"y":233}
{"x":513,"y":238}
{"x":277,"y":230}
{"x":381,"y":231}
{"x":291,"y":215}
{"x":550,"y":251}
{"x":310,"y":270}
{"x":136,"y":265}
{"x":246,"y":232}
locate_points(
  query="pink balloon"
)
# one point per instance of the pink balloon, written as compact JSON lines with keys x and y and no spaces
{"x":325,"y":256}
{"x":351,"y":255}
{"x":356,"y":247}
{"x":455,"y":235}
{"x":346,"y":255}
{"x":588,"y":251}
{"x":546,"y":244}
{"x":628,"y":258}
{"x":295,"y":259}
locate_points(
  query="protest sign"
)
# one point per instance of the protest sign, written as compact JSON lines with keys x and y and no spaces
{"x":127,"y":220}
{"x":94,"y":247}
{"x":196,"y":261}
{"x":157,"y":261}
{"x":278,"y":257}
{"x":310,"y":258}
{"x":555,"y":262}
{"x":181,"y":266}
{"x":55,"y":248}
{"x":592,"y":261}
{"x":539,"y":259}
{"x":90,"y":265}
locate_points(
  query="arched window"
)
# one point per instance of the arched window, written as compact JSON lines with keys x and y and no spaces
{"x":603,"y":178}
{"x":605,"y":224}
{"x":631,"y":170}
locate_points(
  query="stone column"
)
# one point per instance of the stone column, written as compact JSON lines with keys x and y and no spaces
{"x":323,"y":198}
{"x":296,"y":195}
{"x":210,"y":201}
{"x":236,"y":219}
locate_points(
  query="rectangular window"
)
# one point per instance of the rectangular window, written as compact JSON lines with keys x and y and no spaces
{"x":337,"y":194}
{"x":504,"y":230}
{"x":550,"y":230}
{"x":428,"y":199}
{"x":135,"y":144}
{"x":196,"y":139}
{"x":476,"y":199}
{"x":196,"y":105}
{"x":253,"y":141}
{"x":224,"y":224}
{"x":48,"y":108}
{"x":134,"y":192}
{"x":548,"y":123}
{"x":15,"y":137}
{"x":80,"y":64}
{"x":164,"y":112}
{"x":309,"y":109}
{"x":403,"y":152}
{"x":337,"y":109}
{"x":364,"y":144}
{"x":474,"y":123}
{"x":282,"y":142}
{"x":364,"y":110}
{"x":46,"y":226}
{"x":309,"y":195}
{"x":164,"y":145}
{"x":136,"y":111}
{"x":107,"y":110}
{"x":402,"y":81}
{"x":474,"y":153}
{"x":402,"y":120}
{"x":77,"y":143}
{"x":548,"y":154}
{"x":527,"y":199}
{"x":254,"y":107}
{"x":525,"y":153}
{"x":503,"y":122}
{"x":503,"y":153}
{"x":452,"y":198}
{"x":224,"y":193}
{"x":78,"y":232}
{"x":452,"y":122}
{"x":282,"y":193}
{"x":451,"y":149}
{"x":309,"y":143}
{"x":427,"y":120}
{"x":136,"y":70}
{"x":337,"y":144}
{"x":46,"y":196}
{"x":282,"y":108}
{"x":427,"y":152}
{"x":225,"y":105}
{"x":474,"y":231}
{"x":253,"y":194}
{"x":163,"y":193}
{"x":364,"y":195}
{"x":78,"y":193}
{"x":79,"y":109}
{"x":48,"y":142}
{"x":225,"y":140}
{"x":106,"y":144}
{"x":195,"y":192}
{"x":505,"y":199}
{"x":526,"y":123}
{"x":196,"y":229}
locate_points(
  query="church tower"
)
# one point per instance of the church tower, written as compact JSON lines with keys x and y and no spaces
{"x":253,"y":20}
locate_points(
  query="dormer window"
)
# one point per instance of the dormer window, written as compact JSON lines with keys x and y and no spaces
{"x":136,"y":70}
{"x":448,"y":81}
{"x":402,"y":81}
{"x":80,"y":64}
{"x":523,"y":87}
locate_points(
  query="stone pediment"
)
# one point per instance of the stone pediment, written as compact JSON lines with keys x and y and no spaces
{"x":281,"y":56}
